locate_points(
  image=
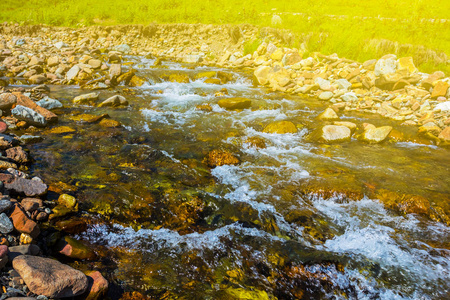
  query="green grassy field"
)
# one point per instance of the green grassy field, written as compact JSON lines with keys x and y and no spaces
{"x":367,"y":29}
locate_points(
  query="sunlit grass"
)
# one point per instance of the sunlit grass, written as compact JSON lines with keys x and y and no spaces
{"x":352,"y":28}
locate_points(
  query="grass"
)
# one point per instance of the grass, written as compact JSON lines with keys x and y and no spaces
{"x":354,"y":29}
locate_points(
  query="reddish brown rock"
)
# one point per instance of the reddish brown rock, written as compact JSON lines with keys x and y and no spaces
{"x":23,"y":224}
{"x":17,"y":154}
{"x":3,"y":127}
{"x":48,"y":277}
{"x":31,"y":204}
{"x":30,"y":188}
{"x":98,"y":286}
{"x":27,"y":102}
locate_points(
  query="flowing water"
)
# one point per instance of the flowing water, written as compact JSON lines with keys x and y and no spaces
{"x":294,"y":220}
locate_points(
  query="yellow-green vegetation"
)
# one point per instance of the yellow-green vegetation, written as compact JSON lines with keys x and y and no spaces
{"x":352,"y":28}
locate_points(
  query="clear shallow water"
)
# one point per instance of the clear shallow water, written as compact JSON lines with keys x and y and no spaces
{"x":284,"y":223}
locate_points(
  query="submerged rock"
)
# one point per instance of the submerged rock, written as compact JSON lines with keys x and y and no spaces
{"x":220,"y":157}
{"x":48,"y":277}
{"x":281,"y":127}
{"x":73,"y":248}
{"x":114,"y":101}
{"x":328,"y":114}
{"x":86,"y":98}
{"x":235,"y":103}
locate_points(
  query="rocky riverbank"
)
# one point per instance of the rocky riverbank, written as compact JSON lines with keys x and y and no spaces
{"x":33,"y":214}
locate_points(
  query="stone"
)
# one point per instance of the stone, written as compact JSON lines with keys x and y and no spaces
{"x":60,"y":45}
{"x":432,"y":79}
{"x":72,"y":73}
{"x":31,"y":204}
{"x":53,"y":61}
{"x":7,"y":100}
{"x":192,"y":58}
{"x":445,"y":134}
{"x":18,"y":155}
{"x":326,"y":95}
{"x":29,"y":249}
{"x":349,"y":125}
{"x":95,"y":63}
{"x":386,"y":66}
{"x":3,"y":251}
{"x":115,"y":70}
{"x":235,"y":103}
{"x":72,"y":226}
{"x":62,"y":130}
{"x":48,"y":277}
{"x":328,"y":114}
{"x":86,"y":98}
{"x":30,"y":139}
{"x":98,"y":286}
{"x":88,"y":118}
{"x":291,"y":58}
{"x":6,"y":225}
{"x":114,"y":101}
{"x":277,"y":54}
{"x":49,"y":103}
{"x":343,"y":84}
{"x":279,"y":78}
{"x":27,"y":102}
{"x":23,"y":224}
{"x":440,"y":89}
{"x":37,"y":79}
{"x":28,"y":115}
{"x":136,"y":81}
{"x":262,"y":74}
{"x":68,"y":201}
{"x":5,"y":165}
{"x":220,"y":157}
{"x":281,"y":127}
{"x":124,"y":48}
{"x":376,"y":135}
{"x":73,"y":248}
{"x":334,"y":134}
{"x":407,"y":63}
{"x":108,"y":123}
{"x":324,"y":84}
{"x":5,"y":205}
{"x":25,"y":239}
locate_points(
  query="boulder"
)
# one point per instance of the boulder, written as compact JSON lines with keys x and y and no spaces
{"x":86,"y":98}
{"x":49,"y":103}
{"x":30,"y":116}
{"x":376,"y":135}
{"x":407,"y":63}
{"x":114,"y":101}
{"x":27,"y":102}
{"x":68,"y":201}
{"x":281,"y":127}
{"x":386,"y":66}
{"x":48,"y":277}
{"x":262,"y":74}
{"x":235,"y":103}
{"x":333,"y":134}
{"x":440,"y":89}
{"x":29,"y":187}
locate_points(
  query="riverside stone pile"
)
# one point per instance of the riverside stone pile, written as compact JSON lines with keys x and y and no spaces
{"x":95,"y":58}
